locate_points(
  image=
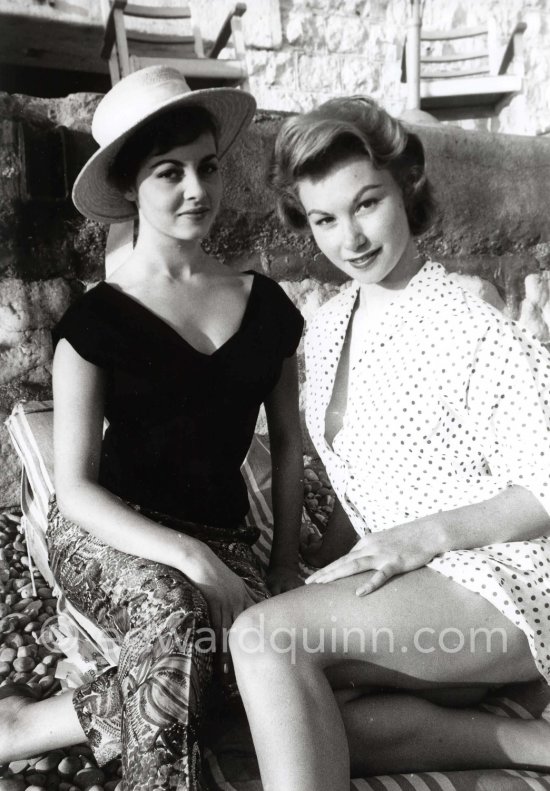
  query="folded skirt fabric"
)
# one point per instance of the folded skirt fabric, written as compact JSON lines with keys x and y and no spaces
{"x":149,"y":709}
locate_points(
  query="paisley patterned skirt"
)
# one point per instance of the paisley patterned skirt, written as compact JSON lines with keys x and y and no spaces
{"x":149,"y":709}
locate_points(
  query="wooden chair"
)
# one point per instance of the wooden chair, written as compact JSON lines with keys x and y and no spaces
{"x":465,"y":81}
{"x":140,"y":35}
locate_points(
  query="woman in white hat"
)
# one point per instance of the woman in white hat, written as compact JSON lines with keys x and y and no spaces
{"x":148,"y":535}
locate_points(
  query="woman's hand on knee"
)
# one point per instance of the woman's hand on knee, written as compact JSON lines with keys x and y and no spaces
{"x":225,"y":593}
{"x":386,"y":554}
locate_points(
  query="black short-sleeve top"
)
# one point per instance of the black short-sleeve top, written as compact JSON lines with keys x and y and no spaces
{"x":180,"y":421}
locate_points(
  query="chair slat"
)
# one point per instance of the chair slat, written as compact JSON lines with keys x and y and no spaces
{"x":205,"y":68}
{"x":450,"y":35}
{"x":159,"y":12}
{"x":471,"y":87}
{"x":453,"y":75}
{"x":455,"y":57}
{"x":158,"y":38}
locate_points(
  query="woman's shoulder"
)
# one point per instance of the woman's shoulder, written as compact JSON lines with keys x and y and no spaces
{"x":272,"y":292}
{"x":89,"y":303}
{"x":85,"y":322}
{"x":336,"y":309}
{"x":470,"y":309}
{"x":450,"y":298}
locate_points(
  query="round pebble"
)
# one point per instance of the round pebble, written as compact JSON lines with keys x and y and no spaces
{"x":36,"y":778}
{"x":21,"y":678}
{"x":12,"y":784}
{"x":8,"y":654}
{"x":49,"y":762}
{"x":69,"y":766}
{"x":85,"y":778}
{"x":14,"y":640}
{"x":34,"y":607}
{"x":46,"y":682}
{"x":23,"y":663}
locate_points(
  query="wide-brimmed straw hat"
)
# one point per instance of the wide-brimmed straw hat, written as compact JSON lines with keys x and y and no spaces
{"x":129,"y":104}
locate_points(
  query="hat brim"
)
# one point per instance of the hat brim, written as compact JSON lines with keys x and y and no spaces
{"x":98,"y":199}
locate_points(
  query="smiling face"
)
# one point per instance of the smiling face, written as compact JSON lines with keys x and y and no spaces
{"x":178,"y":192}
{"x":358,"y":219}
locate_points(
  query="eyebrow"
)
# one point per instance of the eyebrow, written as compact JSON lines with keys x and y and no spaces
{"x":156,"y":164}
{"x":356,"y":197}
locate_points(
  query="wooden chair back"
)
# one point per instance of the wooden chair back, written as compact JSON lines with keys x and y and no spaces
{"x":140,"y":34}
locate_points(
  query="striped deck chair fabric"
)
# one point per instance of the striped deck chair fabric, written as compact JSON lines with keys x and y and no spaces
{"x":230,"y":764}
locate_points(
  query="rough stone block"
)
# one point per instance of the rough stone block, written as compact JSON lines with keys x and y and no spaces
{"x":278,"y":70}
{"x":28,"y":306}
{"x":306,"y":31}
{"x":319,"y":73}
{"x":346,"y":34}
{"x":359,"y":75}
{"x":309,"y":294}
{"x":535,"y":308}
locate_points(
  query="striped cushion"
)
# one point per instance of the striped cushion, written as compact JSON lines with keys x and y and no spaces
{"x":230,"y":763}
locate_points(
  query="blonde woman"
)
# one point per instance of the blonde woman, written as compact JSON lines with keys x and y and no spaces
{"x":431,"y":412}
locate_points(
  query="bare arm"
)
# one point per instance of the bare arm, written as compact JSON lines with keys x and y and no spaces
{"x":287,"y":477}
{"x":514,"y":514}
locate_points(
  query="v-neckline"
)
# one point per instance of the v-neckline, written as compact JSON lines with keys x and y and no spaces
{"x":168,"y":327}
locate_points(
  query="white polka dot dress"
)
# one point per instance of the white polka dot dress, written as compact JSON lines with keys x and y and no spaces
{"x":448,"y":404}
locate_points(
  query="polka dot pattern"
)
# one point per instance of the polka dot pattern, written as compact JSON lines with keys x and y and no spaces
{"x":448,"y":404}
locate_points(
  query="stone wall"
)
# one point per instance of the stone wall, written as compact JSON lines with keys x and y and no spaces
{"x":302,"y":52}
{"x":493,"y":191}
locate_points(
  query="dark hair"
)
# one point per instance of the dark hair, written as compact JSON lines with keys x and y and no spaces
{"x":159,"y":134}
{"x":309,"y":145}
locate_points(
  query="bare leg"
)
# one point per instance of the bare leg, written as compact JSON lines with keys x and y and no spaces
{"x":30,"y":727}
{"x":405,"y":733}
{"x":406,"y":636}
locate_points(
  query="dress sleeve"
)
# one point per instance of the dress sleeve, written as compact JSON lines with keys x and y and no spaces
{"x":288,"y":317}
{"x":509,"y":395}
{"x":82,"y":326}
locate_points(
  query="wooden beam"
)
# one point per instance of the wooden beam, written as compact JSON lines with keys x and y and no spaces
{"x":51,"y":43}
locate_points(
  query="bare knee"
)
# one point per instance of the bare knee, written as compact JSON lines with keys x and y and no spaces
{"x":263,"y":636}
{"x":247,"y":634}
